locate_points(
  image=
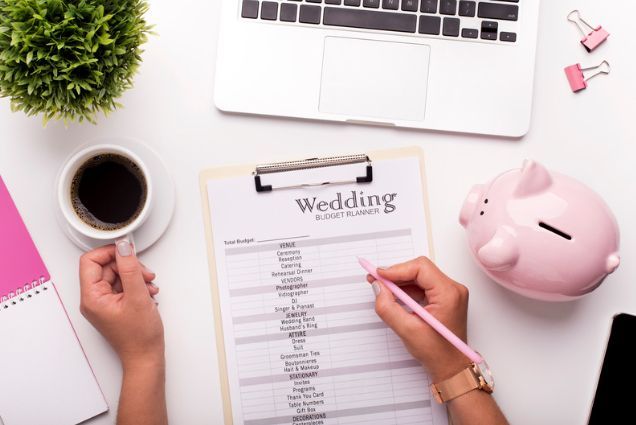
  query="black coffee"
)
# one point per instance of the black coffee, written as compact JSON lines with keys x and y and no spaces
{"x":108,"y":192}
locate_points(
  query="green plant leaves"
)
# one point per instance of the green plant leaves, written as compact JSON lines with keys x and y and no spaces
{"x":69,"y":60}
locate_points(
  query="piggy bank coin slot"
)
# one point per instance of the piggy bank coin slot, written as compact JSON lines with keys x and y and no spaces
{"x":555,"y":231}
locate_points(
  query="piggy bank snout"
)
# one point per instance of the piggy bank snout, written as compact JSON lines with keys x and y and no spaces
{"x":500,"y":253}
{"x":470,"y":204}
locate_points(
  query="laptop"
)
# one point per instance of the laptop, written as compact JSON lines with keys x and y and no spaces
{"x":447,"y":65}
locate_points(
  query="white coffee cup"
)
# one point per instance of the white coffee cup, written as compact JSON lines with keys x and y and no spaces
{"x":64,"y":195}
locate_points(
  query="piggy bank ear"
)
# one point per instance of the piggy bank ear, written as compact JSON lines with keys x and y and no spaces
{"x":501,"y":252}
{"x":535,"y":178}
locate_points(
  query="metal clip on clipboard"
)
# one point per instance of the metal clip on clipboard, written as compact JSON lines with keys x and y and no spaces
{"x":312,"y":163}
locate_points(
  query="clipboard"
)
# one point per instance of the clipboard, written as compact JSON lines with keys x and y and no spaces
{"x":259,"y":173}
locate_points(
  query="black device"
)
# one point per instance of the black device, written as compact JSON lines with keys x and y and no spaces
{"x":614,"y":398}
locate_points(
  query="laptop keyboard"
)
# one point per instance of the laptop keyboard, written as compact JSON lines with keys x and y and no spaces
{"x":445,"y":18}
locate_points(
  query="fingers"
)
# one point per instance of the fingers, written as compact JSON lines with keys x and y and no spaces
{"x":92,"y":264}
{"x":148,"y":274}
{"x":111,"y":275}
{"x":392,"y":313}
{"x":130,"y":270}
{"x":411,"y":290}
{"x":152,"y":289}
{"x":422,"y":271}
{"x":102,"y":255}
{"x":415,"y":292}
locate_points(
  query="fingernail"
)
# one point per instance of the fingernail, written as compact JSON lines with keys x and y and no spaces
{"x":147,"y":270}
{"x":376,"y":288}
{"x":124,"y":248}
{"x":382,"y":268}
{"x":153,"y":285}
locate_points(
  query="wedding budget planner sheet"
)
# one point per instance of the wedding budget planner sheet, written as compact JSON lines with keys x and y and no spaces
{"x":300,"y":341}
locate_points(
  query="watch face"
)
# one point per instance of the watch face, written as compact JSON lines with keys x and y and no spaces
{"x":484,"y":369}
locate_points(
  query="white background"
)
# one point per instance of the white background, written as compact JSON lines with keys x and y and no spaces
{"x":545,"y":357}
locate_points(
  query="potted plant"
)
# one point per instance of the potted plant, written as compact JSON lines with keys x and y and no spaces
{"x":67,"y":59}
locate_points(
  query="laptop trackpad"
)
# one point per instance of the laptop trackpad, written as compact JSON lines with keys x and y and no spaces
{"x":374,"y":79}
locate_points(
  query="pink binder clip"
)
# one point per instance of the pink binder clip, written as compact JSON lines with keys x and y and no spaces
{"x":576,"y":74}
{"x":592,"y":37}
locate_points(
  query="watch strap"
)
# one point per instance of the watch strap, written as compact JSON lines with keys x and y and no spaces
{"x":455,"y":386}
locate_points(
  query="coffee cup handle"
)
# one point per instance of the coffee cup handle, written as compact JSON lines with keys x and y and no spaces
{"x":129,"y":237}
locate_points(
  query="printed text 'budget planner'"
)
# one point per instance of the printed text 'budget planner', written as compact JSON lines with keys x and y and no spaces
{"x":301,"y":342}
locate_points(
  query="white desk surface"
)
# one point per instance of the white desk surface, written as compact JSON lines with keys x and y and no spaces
{"x":545,"y":357}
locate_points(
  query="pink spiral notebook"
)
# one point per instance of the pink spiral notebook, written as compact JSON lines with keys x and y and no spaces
{"x":45,"y":377}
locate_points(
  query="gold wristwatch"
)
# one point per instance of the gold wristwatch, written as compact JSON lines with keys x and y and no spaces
{"x":474,"y":377}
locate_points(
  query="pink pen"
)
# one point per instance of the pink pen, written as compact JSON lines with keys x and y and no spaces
{"x":421,"y":311}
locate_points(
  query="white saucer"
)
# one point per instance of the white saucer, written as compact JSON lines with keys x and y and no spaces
{"x":164,"y":199}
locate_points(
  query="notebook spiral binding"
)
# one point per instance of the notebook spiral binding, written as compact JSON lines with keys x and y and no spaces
{"x":21,"y":294}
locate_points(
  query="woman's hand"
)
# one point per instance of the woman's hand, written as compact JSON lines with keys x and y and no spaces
{"x":446,"y":299}
{"x":117,"y":298}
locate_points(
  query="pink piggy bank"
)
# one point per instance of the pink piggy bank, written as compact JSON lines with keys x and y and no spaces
{"x":543,"y":235}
